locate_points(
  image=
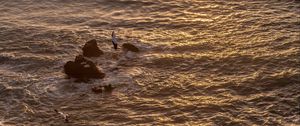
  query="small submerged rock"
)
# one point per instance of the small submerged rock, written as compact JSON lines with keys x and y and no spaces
{"x":108,"y":88}
{"x":130,"y":47}
{"x":105,"y":88}
{"x":82,"y":69}
{"x":97,"y":90}
{"x":90,"y":49}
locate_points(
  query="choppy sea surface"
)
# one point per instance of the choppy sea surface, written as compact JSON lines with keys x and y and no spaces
{"x":202,"y":62}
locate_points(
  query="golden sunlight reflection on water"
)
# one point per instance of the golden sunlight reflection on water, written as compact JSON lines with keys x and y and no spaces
{"x":201,"y":62}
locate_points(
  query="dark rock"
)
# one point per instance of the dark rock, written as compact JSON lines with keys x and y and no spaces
{"x":90,"y":49}
{"x":82,"y":69}
{"x":130,"y":47}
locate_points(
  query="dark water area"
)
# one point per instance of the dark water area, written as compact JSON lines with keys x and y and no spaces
{"x":201,"y":62}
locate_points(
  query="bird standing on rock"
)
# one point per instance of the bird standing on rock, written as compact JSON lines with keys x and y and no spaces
{"x":114,"y":40}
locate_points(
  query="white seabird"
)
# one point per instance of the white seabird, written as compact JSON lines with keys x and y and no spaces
{"x":114,"y":40}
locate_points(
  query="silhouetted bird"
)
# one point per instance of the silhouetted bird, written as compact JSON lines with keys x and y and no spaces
{"x":65,"y":116}
{"x":114,"y":40}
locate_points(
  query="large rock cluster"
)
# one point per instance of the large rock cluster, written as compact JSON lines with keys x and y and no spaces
{"x":84,"y":69}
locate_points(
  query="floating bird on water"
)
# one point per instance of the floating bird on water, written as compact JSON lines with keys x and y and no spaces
{"x":108,"y":88}
{"x":65,"y":116}
{"x":114,"y":40}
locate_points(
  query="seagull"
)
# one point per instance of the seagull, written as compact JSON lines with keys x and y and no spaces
{"x":65,"y":116}
{"x":114,"y":40}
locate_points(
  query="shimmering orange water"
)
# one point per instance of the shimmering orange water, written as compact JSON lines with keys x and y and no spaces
{"x":202,"y":62}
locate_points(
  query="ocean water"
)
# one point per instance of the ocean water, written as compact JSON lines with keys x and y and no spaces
{"x":202,"y":62}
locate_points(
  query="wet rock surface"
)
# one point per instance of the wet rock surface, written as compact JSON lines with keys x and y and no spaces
{"x":82,"y":69}
{"x":130,"y":47}
{"x":90,"y":49}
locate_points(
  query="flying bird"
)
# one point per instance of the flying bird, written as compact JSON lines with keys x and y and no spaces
{"x":114,"y":40}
